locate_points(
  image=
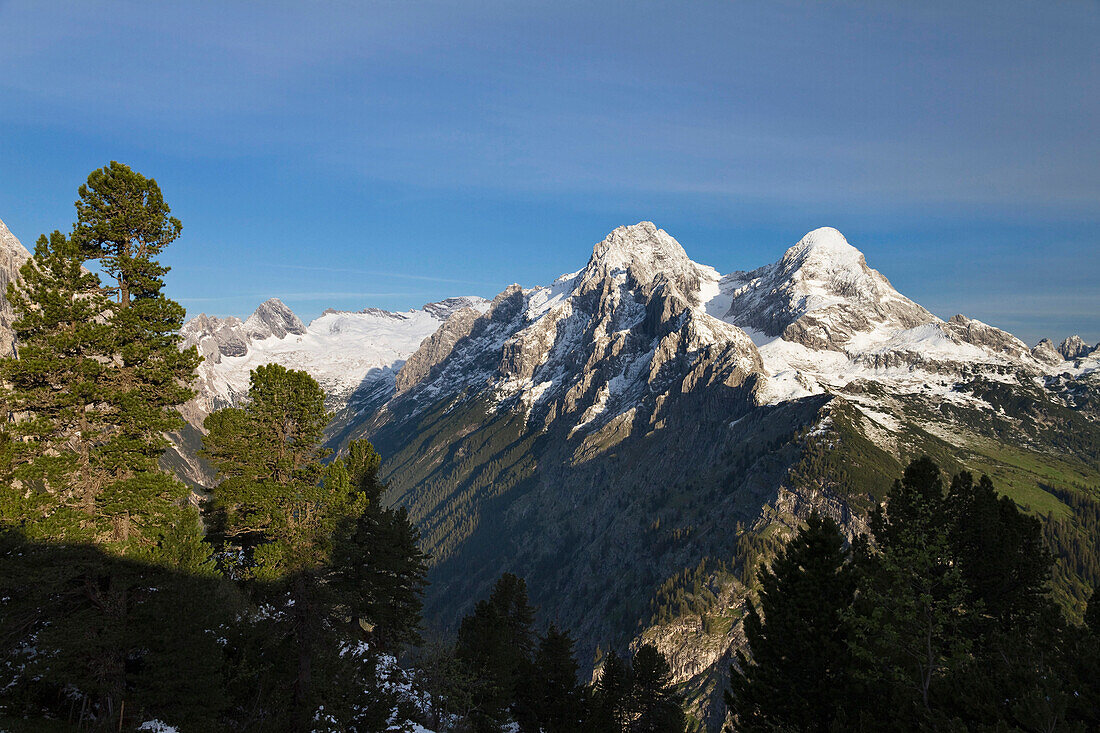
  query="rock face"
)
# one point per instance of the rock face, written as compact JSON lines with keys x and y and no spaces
{"x":444,"y":309}
{"x":215,"y":337}
{"x":1074,"y":348}
{"x":12,"y":256}
{"x":990,"y":338}
{"x":273,"y":318}
{"x":618,"y":336}
{"x":436,"y":347}
{"x":1046,"y":352}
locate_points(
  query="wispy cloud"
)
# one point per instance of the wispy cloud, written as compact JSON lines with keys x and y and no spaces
{"x":320,"y":295}
{"x":378,"y":273}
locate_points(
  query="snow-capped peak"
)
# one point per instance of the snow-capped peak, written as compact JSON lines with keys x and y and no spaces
{"x":641,"y":244}
{"x":646,"y":256}
{"x":641,"y":251}
{"x":824,"y":245}
{"x":822,"y":294}
{"x":273,"y":318}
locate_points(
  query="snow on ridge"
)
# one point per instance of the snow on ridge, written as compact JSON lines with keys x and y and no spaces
{"x":344,"y":351}
{"x":819,"y":317}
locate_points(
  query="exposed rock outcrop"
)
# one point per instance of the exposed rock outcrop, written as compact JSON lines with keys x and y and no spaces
{"x":12,"y":256}
{"x":1046,"y":352}
{"x":273,"y":318}
{"x":1075,"y":347}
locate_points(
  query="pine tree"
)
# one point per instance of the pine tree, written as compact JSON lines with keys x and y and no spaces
{"x":274,"y":515}
{"x":53,"y":387}
{"x":496,"y":643}
{"x":611,"y":699}
{"x":555,"y":698}
{"x":1014,"y":673}
{"x":910,"y":635}
{"x":800,"y":664}
{"x":377,"y":562}
{"x":123,"y":221}
{"x":92,"y":394}
{"x":1082,"y":657}
{"x":656,"y":707}
{"x":278,"y":521}
{"x":1000,"y":550}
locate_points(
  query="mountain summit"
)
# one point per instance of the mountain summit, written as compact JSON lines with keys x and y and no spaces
{"x":273,"y":318}
{"x":643,"y":252}
{"x":820,"y":294}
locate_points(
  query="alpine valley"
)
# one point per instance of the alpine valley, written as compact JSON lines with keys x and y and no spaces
{"x":635,"y":436}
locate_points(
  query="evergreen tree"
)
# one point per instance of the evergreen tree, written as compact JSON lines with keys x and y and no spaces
{"x":92,"y":393}
{"x":1014,"y":672}
{"x":496,"y":643}
{"x":278,"y":513}
{"x":123,"y":221}
{"x":556,"y":699}
{"x":657,"y":709}
{"x":1082,"y":661}
{"x":53,"y":386}
{"x":800,"y":664}
{"x":910,"y":638}
{"x":274,"y":515}
{"x":1092,"y":613}
{"x":1000,"y":552}
{"x":377,"y":562}
{"x":611,"y":699}
{"x":325,"y":563}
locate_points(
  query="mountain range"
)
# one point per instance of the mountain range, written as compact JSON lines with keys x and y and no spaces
{"x":634,"y":436}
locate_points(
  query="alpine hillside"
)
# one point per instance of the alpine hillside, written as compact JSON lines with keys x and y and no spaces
{"x":632,"y":437}
{"x":636,"y":436}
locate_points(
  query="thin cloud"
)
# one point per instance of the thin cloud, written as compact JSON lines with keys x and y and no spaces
{"x":378,"y":273}
{"x":299,"y":296}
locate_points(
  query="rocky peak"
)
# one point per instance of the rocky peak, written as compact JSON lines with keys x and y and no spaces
{"x":215,"y":337}
{"x":12,"y":256}
{"x":821,"y":294}
{"x":273,"y":318}
{"x":1074,"y":348}
{"x":1046,"y":352}
{"x":620,"y":338}
{"x":647,"y":256}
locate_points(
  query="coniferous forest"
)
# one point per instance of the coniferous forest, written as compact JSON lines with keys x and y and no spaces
{"x":288,"y":598}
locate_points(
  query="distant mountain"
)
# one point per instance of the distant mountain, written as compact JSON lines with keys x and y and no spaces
{"x":346,"y":352}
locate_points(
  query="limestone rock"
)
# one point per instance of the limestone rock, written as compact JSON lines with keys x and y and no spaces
{"x":12,"y":256}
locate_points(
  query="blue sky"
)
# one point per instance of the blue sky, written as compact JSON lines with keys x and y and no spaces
{"x":345,"y":154}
